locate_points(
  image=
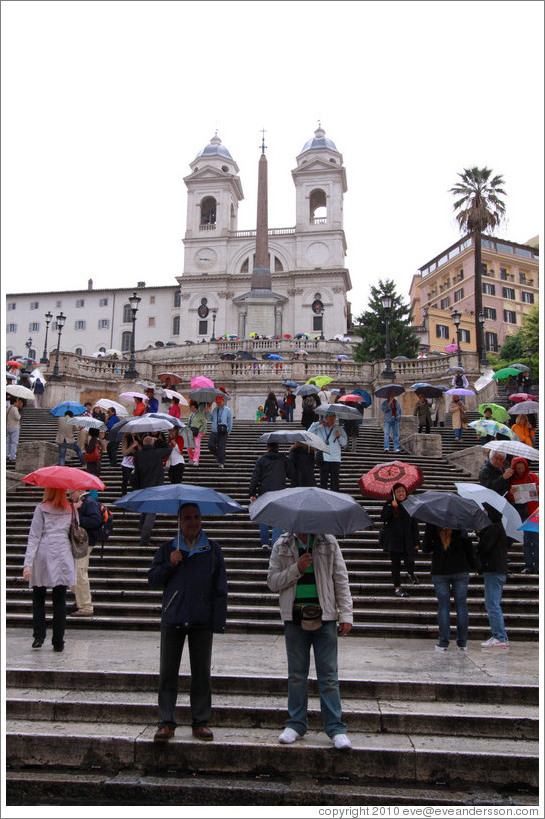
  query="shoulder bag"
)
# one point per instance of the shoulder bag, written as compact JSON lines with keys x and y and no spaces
{"x":79,"y":539}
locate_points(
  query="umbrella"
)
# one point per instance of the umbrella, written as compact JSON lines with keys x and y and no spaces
{"x":499,"y":413}
{"x":88,"y":422}
{"x":320,"y":380}
{"x":307,"y":389}
{"x":287,"y":335}
{"x":524,"y":408}
{"x":132,"y":395}
{"x":447,"y":510}
{"x":114,"y":352}
{"x":382,"y":392}
{"x":401,"y":358}
{"x":205,"y":395}
{"x":300,"y":352}
{"x":429,"y":391}
{"x":311,"y":510}
{"x":275,"y":357}
{"x":521,"y":368}
{"x":481,"y":494}
{"x":457,"y":369}
{"x":12,"y":376}
{"x":297,"y":436}
{"x":174,"y":378}
{"x":178,"y":395}
{"x":201,"y":381}
{"x":73,"y":406}
{"x":244,"y":355}
{"x":106,"y":403}
{"x":505,"y":372}
{"x":518,"y":397}
{"x":340,"y":410}
{"x":379,"y":481}
{"x":20,"y":392}
{"x":343,"y":358}
{"x":227,"y":356}
{"x":13,"y":363}
{"x":419,"y":384}
{"x":364,"y":394}
{"x":144,"y":423}
{"x":451,"y":348}
{"x":168,"y":499}
{"x":63,"y":477}
{"x":513,"y":448}
{"x":459,"y":391}
{"x":291,"y":384}
{"x":531,"y":524}
{"x":483,"y":426}
{"x":175,"y":422}
{"x":354,"y":398}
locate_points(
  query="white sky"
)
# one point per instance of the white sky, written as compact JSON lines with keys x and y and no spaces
{"x":104,"y":104}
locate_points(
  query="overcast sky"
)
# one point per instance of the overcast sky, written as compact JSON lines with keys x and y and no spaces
{"x":105,"y":104}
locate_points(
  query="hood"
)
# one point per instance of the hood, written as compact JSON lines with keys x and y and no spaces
{"x":522,"y":478}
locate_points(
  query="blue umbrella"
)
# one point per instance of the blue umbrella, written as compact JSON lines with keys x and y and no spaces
{"x":365,"y":395}
{"x":419,"y":384}
{"x":73,"y":406}
{"x":275,"y":357}
{"x":292,"y":384}
{"x":168,"y":499}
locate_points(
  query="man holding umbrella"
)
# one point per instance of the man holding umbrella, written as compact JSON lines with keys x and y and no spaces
{"x":335,"y":437}
{"x":391,"y":409}
{"x":222,"y":423}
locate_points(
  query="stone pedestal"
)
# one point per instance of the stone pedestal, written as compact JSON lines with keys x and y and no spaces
{"x":423,"y":445}
{"x":471,"y":459}
{"x":32,"y":455}
{"x":408,"y":425}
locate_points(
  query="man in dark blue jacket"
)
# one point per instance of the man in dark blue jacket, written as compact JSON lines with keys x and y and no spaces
{"x":191,"y":571}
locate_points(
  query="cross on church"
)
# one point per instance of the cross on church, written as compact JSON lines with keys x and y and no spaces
{"x":263,"y":146}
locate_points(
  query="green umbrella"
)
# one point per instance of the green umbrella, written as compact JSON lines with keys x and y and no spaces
{"x":319,"y":380}
{"x":506,"y":372}
{"x":498,"y":413}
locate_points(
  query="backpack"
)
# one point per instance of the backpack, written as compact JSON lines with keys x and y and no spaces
{"x":459,"y":381}
{"x":309,"y":403}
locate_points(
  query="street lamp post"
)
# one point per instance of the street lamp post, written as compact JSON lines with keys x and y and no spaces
{"x":484,"y":360}
{"x":28,"y":345}
{"x":214,"y":314}
{"x":44,"y":359}
{"x":387,"y":302}
{"x":456,"y":319}
{"x":322,"y":311}
{"x":61,"y":318}
{"x":134,"y":301}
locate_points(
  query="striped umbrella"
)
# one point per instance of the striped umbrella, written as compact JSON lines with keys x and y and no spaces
{"x":524,"y":408}
{"x":513,"y":448}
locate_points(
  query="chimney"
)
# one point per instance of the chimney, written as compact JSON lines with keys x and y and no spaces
{"x":90,"y":284}
{"x":140,"y":285}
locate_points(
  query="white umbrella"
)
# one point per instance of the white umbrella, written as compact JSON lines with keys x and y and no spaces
{"x":296,"y":436}
{"x":11,"y":376}
{"x":106,"y":403}
{"x":132,"y":395}
{"x":20,"y":392}
{"x":87,"y":421}
{"x":513,"y":448}
{"x":481,"y":494}
{"x":118,"y":353}
{"x":178,"y":395}
{"x":525,"y":408}
{"x":37,"y":374}
{"x":340,"y":410}
{"x":147,"y":424}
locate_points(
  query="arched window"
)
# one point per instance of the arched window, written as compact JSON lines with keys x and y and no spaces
{"x":126,"y":341}
{"x":79,"y":351}
{"x":9,"y":354}
{"x":176,"y":326}
{"x":318,"y":207}
{"x":278,"y":265}
{"x":102,"y":349}
{"x":127,"y":314}
{"x":208,"y":211}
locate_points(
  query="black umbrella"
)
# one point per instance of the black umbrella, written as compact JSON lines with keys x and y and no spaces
{"x":447,"y":510}
{"x":307,"y":389}
{"x":310,"y":509}
{"x":429,"y":391}
{"x":243,"y":355}
{"x":205,"y":395}
{"x":382,"y":392}
{"x":227,"y":356}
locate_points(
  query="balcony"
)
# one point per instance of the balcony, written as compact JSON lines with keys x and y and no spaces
{"x":211,"y":226}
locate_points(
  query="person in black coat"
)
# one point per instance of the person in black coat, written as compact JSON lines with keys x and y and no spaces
{"x":269,"y":474}
{"x":270,"y":407}
{"x":400,"y":537}
{"x":493,"y":543}
{"x":452,"y":558}
{"x":149,"y":470}
{"x":301,"y":465}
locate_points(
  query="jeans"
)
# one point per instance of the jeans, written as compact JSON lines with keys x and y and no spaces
{"x":324,"y":643}
{"x":330,"y":471}
{"x":444,"y":584}
{"x":394,"y":426}
{"x":176,"y":473}
{"x":264,"y":534}
{"x":530,"y":547}
{"x":59,"y":614}
{"x":288,"y":409}
{"x":458,"y":434}
{"x":12,"y":440}
{"x":62,"y":452}
{"x":147,"y":519}
{"x":493,"y":588}
{"x":200,"y":657}
{"x":217,"y":445}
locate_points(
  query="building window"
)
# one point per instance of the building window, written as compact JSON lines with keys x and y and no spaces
{"x":445,"y":303}
{"x":503,"y":274}
{"x":522,"y":278}
{"x":127,"y":314}
{"x":126,"y":341}
{"x":177,"y":298}
{"x":54,"y":325}
{"x":79,"y":351}
{"x":58,"y":303}
{"x":103,"y":302}
{"x":34,"y":305}
{"x":176,"y":326}
{"x":80,"y":325}
{"x":318,"y":207}
{"x":489,"y":289}
{"x":527,"y":298}
{"x":34,"y":327}
{"x":508,"y":293}
{"x":442,"y":331}
{"x":103,"y":324}
{"x":491,"y":342}
{"x":151,"y":321}
{"x":317,"y":324}
{"x":11,"y":305}
{"x":152,"y":299}
{"x":509,"y":316}
{"x":484,"y":270}
{"x":490,"y":313}
{"x":459,"y":294}
{"x":208,"y":211}
{"x":11,"y":328}
{"x":80,"y":302}
{"x":465,"y":336}
{"x":203,"y":328}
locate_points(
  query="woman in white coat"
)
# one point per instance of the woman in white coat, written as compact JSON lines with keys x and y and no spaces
{"x":49,"y":563}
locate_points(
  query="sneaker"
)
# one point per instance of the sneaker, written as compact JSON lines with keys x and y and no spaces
{"x":266,"y":547}
{"x":397,"y":450}
{"x":494,"y":643}
{"x":462,"y":648}
{"x":288,"y":736}
{"x":414,"y":579}
{"x":527,"y":571}
{"x":221,"y":466}
{"x":401,"y":593}
{"x":441,"y":648}
{"x":341,"y":742}
{"x":81,"y":613}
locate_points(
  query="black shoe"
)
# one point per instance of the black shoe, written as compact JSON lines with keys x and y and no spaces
{"x":401,"y":593}
{"x":58,"y":647}
{"x":72,"y":609}
{"x":413,"y":578}
{"x":37,"y":643}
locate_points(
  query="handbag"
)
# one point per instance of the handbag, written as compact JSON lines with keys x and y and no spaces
{"x":94,"y":455}
{"x":78,"y":537}
{"x":222,"y":429}
{"x":194,"y":431}
{"x":309,"y":617}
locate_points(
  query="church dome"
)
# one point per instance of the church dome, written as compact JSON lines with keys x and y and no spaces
{"x":319,"y":141}
{"x":215,"y":148}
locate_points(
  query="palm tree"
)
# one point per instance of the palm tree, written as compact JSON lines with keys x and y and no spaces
{"x":478,"y":209}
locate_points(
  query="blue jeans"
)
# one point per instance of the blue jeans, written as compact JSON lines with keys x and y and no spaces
{"x":530,"y":547}
{"x":458,"y":434}
{"x":324,"y":643}
{"x":288,"y":409}
{"x":444,"y":584}
{"x":264,"y":533}
{"x":62,"y":452}
{"x":394,"y":426}
{"x":493,"y":588}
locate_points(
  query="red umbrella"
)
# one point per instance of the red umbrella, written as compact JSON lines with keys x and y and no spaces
{"x":63,"y":477}
{"x":378,"y":482}
{"x":522,"y":396}
{"x":353,"y":399}
{"x":14,"y":364}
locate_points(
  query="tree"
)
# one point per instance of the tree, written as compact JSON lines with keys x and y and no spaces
{"x":478,"y":209}
{"x":371,"y":326}
{"x":523,"y":346}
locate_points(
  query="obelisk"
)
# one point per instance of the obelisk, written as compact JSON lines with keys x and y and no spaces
{"x":261,"y":275}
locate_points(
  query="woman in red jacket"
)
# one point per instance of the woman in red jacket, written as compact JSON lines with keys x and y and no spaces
{"x":530,"y":543}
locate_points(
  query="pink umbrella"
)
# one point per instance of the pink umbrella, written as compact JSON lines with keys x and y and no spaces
{"x":174,"y":378}
{"x":201,"y":381}
{"x":451,"y":348}
{"x":353,"y":398}
{"x":63,"y":477}
{"x":132,"y":395}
